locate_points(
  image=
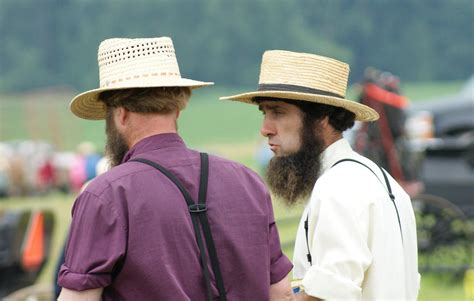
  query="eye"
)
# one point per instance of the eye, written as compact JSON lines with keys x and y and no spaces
{"x":278,"y":112}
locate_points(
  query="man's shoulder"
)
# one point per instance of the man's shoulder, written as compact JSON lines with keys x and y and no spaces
{"x":236,"y":174}
{"x":224,"y":161}
{"x":231,"y":165}
{"x":112,"y":177}
{"x":351,"y":173}
{"x":354,"y":176}
{"x":354,"y":163}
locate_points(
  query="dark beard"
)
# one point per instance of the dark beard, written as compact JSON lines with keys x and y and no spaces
{"x":292,"y":177}
{"x":116,"y":147}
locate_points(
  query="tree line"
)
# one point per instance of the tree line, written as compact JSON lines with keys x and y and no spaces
{"x":54,"y":42}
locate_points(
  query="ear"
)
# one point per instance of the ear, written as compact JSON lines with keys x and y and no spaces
{"x":122,"y":116}
{"x":324,"y":123}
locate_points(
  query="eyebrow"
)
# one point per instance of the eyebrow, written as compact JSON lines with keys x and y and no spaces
{"x":268,"y":106}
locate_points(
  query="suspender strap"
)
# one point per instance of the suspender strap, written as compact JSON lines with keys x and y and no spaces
{"x":198,"y":215}
{"x":392,"y":197}
{"x":211,"y":248}
{"x":390,"y":194}
{"x":389,"y":188}
{"x":306,"y":229}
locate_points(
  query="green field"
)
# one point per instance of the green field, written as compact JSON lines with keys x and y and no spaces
{"x":226,"y":128}
{"x":206,"y":123}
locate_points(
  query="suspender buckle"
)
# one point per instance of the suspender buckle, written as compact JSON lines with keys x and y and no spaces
{"x":392,"y":197}
{"x":197,"y":208}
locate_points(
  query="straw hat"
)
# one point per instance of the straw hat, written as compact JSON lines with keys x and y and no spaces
{"x":305,"y":77}
{"x":132,"y":63}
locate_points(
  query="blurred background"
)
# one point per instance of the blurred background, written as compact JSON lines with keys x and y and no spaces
{"x":411,"y":60}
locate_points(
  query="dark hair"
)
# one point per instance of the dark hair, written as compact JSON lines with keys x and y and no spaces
{"x":339,"y":118}
{"x":148,"y":100}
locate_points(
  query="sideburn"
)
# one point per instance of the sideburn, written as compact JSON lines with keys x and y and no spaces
{"x":292,"y":177}
{"x":116,"y":147}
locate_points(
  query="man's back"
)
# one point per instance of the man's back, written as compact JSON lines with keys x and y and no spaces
{"x":143,"y":244}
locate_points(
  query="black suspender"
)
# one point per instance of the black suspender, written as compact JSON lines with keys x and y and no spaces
{"x":390,"y":194}
{"x":198,"y":215}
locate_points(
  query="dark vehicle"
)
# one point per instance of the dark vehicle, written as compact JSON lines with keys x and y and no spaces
{"x":448,"y":166}
{"x":443,"y":131}
{"x":25,"y":240}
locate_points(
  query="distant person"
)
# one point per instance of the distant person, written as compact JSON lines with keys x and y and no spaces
{"x":133,"y":235}
{"x":77,"y":172}
{"x":46,"y":176}
{"x":385,"y":141}
{"x":4,"y":180}
{"x":91,"y":159}
{"x":357,"y":235}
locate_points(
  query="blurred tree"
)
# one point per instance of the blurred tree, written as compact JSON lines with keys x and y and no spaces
{"x":54,"y":42}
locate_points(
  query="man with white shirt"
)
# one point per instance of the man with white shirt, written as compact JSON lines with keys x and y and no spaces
{"x":357,"y":235}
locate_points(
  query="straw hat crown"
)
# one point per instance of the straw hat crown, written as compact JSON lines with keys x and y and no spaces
{"x":307,"y":70}
{"x":305,"y":77}
{"x":132,"y":63}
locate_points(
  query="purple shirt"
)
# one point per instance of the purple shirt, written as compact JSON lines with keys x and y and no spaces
{"x":132,"y":234}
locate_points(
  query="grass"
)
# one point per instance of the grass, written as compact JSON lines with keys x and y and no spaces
{"x":430,"y":90}
{"x":206,"y":121}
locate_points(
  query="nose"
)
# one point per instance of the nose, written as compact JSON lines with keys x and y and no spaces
{"x":267,"y":128}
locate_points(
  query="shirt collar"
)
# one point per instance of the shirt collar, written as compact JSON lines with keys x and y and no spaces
{"x":338,"y":150}
{"x":154,"y":142}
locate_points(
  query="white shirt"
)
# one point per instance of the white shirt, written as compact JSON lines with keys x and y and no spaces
{"x":354,"y":235}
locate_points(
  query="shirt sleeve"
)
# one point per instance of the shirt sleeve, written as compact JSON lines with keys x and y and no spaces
{"x":339,"y":247}
{"x":96,"y":244}
{"x":280,"y":265}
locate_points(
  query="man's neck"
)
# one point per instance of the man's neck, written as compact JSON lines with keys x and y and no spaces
{"x":146,"y":125}
{"x":331,"y":138}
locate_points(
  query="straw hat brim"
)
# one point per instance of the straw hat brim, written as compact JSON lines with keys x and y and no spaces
{"x":87,"y":105}
{"x":362,"y":112}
